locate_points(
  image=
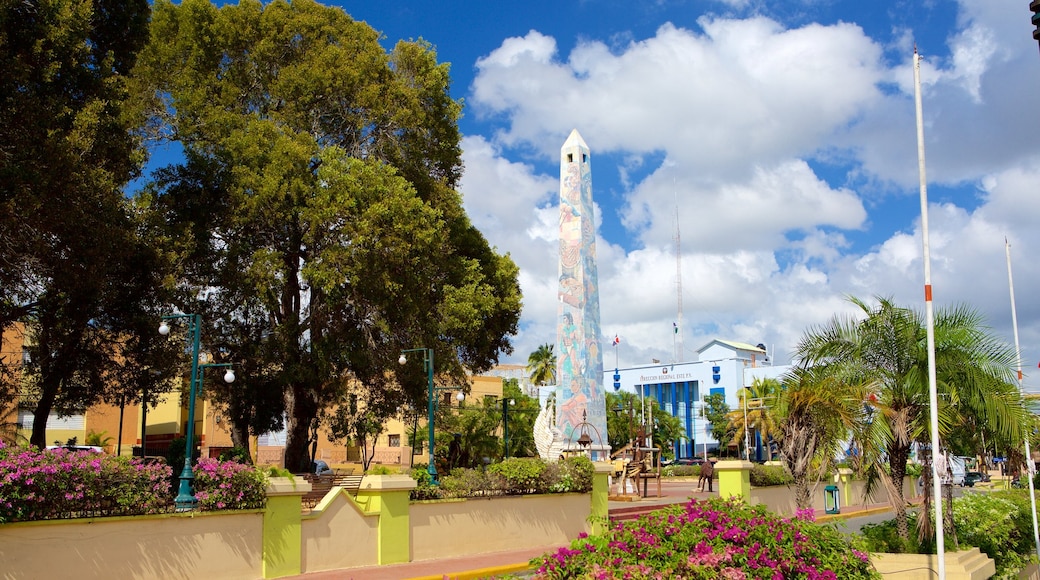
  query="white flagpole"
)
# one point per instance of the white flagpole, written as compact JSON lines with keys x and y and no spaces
{"x":933,"y":398}
{"x":1018,"y":356}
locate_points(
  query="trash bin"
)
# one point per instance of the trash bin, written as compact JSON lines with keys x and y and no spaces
{"x":831,"y":500}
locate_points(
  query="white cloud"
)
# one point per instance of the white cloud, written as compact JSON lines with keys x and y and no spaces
{"x":743,"y":113}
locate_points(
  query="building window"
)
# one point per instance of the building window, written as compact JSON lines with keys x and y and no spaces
{"x":395,"y":440}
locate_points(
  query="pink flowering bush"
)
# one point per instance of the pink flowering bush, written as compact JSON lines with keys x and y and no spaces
{"x":229,"y":485}
{"x":40,"y":484}
{"x":715,"y":538}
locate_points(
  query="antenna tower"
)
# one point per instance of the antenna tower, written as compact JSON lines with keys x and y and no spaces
{"x":678,"y":285}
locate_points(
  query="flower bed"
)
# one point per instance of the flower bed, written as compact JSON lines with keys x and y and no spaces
{"x":56,"y":484}
{"x":712,"y":539}
{"x":59,"y":484}
{"x":229,"y":485}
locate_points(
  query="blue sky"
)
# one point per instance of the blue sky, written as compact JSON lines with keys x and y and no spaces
{"x":782,"y":134}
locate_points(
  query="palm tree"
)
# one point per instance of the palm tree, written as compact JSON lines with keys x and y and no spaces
{"x":542,"y":365}
{"x":755,"y":412}
{"x":885,"y":352}
{"x":814,"y":414}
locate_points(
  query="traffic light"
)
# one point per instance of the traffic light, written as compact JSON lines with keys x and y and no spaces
{"x":1035,"y":7}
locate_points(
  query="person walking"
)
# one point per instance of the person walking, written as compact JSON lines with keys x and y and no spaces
{"x":707,"y":474}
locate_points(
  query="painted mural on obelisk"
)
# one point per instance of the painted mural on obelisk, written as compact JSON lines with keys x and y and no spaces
{"x":580,"y":397}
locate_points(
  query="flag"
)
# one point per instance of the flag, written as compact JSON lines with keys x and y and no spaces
{"x":675,"y":327}
{"x":617,"y":340}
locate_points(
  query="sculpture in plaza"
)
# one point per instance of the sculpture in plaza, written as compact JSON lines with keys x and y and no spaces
{"x":580,"y":396}
{"x":548,"y":439}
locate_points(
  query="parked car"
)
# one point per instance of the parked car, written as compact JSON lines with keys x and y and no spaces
{"x":689,"y":461}
{"x":973,"y":477}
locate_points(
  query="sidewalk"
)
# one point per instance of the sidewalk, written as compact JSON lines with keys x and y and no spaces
{"x":517,"y":561}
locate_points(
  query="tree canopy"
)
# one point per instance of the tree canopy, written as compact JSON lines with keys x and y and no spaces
{"x":315,"y":222}
{"x":73,"y":266}
{"x":884,"y":350}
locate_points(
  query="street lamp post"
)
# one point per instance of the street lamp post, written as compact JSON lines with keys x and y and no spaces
{"x":185,"y":499}
{"x":506,"y":403}
{"x":431,"y":468}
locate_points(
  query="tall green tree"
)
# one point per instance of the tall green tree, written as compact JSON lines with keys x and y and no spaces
{"x":521,"y":420}
{"x":814,"y":415}
{"x":74,"y":269}
{"x":716,"y":412}
{"x":315,"y":221}
{"x":755,"y":414}
{"x":541,"y":365}
{"x":623,"y":418}
{"x":885,"y":350}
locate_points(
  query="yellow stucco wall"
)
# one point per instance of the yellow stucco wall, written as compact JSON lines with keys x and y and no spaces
{"x":225,"y":546}
{"x":447,"y":529}
{"x":337,"y":535}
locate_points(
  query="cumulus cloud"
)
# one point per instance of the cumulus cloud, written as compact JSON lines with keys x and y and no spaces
{"x":785,"y":151}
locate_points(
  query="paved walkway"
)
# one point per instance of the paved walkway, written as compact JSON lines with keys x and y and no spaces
{"x":517,"y":561}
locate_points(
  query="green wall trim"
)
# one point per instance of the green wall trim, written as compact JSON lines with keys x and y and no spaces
{"x":283,"y":539}
{"x":734,"y":479}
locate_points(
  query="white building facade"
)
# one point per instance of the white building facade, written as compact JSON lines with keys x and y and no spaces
{"x":722,"y":367}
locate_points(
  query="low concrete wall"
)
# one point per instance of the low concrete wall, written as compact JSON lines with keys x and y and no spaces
{"x":208,"y":545}
{"x":780,"y":499}
{"x":338,"y":534}
{"x":443,"y":529}
{"x":341,"y":532}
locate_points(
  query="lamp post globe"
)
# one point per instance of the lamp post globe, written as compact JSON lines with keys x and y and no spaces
{"x":460,"y":397}
{"x":403,"y":359}
{"x":164,"y":329}
{"x":229,"y":376}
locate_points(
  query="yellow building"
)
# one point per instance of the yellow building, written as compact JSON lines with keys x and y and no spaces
{"x":119,"y":427}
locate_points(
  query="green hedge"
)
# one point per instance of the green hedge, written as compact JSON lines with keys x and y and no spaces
{"x":767,"y":475}
{"x":514,"y":476}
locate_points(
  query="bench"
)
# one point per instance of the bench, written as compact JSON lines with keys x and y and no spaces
{"x":321,"y":485}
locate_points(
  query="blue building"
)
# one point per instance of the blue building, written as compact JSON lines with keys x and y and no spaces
{"x":722,"y":366}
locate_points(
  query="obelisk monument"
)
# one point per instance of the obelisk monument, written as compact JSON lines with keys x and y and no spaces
{"x":580,"y":396}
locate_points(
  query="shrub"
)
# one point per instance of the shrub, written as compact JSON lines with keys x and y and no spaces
{"x":229,"y":485}
{"x":521,"y":474}
{"x":424,"y":489}
{"x":237,"y":454}
{"x":463,"y":482}
{"x":580,"y":471}
{"x":711,"y":539}
{"x":998,"y":523}
{"x":53,"y":484}
{"x":883,"y":537}
{"x":998,"y":526}
{"x":514,"y":476}
{"x":681,"y":471}
{"x":379,"y":470}
{"x":767,"y":475}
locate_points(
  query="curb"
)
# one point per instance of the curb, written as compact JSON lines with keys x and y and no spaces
{"x":855,"y":514}
{"x":478,"y":573}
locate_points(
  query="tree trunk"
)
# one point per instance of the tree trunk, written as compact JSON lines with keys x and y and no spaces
{"x":299,"y":412}
{"x":49,"y":390}
{"x":897,"y":458}
{"x":948,"y":528}
{"x":240,"y":435}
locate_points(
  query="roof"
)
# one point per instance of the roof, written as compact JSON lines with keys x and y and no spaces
{"x":734,"y":345}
